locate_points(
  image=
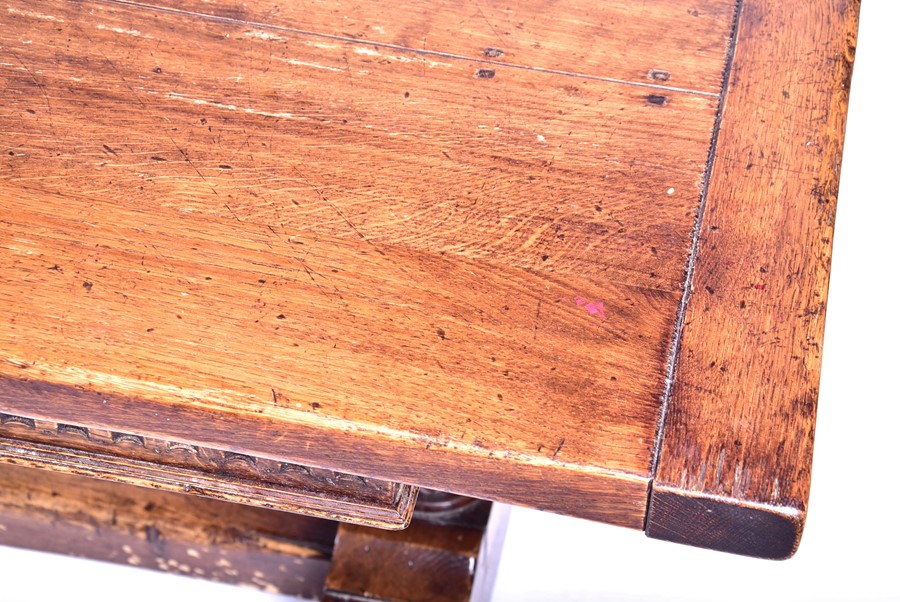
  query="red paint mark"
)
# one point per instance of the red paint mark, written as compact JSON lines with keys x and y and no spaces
{"x":759,"y":287}
{"x":595,"y":308}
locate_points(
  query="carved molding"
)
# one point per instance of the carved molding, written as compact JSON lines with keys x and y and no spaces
{"x":189,"y":468}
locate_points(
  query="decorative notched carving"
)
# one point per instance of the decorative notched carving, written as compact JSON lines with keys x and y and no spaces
{"x":215,"y":473}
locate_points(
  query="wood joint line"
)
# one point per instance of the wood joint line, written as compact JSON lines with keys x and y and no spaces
{"x":672,"y":362}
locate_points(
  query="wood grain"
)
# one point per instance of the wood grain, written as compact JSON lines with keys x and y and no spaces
{"x":457,"y":274}
{"x":525,"y":169}
{"x":188,"y":468}
{"x":734,"y":468}
{"x":616,"y":40}
{"x":178,"y":534}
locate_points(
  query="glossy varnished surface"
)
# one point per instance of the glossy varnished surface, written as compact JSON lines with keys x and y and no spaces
{"x":448,"y":248}
{"x":311,"y":247}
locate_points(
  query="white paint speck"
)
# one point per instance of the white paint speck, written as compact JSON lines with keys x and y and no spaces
{"x":540,"y":138}
{"x":129,"y":32}
{"x":263,"y":35}
{"x":367,"y":51}
{"x":670,"y":191}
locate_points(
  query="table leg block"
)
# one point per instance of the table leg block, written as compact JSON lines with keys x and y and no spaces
{"x":450,"y":553}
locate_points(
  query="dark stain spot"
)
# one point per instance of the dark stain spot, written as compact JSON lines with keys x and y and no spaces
{"x":32,"y":111}
{"x":109,"y":150}
{"x":261,"y":281}
{"x":280,"y":317}
{"x":658,"y":75}
{"x":441,"y":333}
{"x":55,"y":267}
{"x":406,"y":95}
{"x":224,"y":166}
{"x":710,"y":290}
{"x":743,"y":304}
{"x":500,"y":396}
{"x":657,"y":99}
{"x":315,"y":405}
{"x":485,"y":73}
{"x":149,"y":506}
{"x":157,"y":70}
{"x":152,"y":533}
{"x":737,"y":443}
{"x":545,"y":257}
{"x":763,"y":270}
{"x":714,"y":228}
{"x":87,"y":285}
{"x":492,"y":53}
{"x":613,"y":378}
{"x":155,"y":158}
{"x":785,"y":93}
{"x":11,"y":153}
{"x":804,"y":405}
{"x":150,"y":329}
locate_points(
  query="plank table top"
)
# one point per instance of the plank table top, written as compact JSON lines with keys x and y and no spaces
{"x":566,"y":255}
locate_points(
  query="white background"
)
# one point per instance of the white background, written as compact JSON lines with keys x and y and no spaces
{"x":849,"y":547}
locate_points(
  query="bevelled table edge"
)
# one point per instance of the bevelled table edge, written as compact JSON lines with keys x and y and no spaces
{"x":735,"y":451}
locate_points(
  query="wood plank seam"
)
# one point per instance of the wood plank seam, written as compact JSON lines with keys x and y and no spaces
{"x":672,"y":364}
{"x":421,"y":51}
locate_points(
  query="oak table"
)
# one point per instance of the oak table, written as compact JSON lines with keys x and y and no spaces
{"x":267,"y":266}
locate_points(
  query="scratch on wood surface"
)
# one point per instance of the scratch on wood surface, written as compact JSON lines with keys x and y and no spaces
{"x":33,"y":14}
{"x":230,"y":107}
{"x":559,"y":447}
{"x":299,"y":63}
